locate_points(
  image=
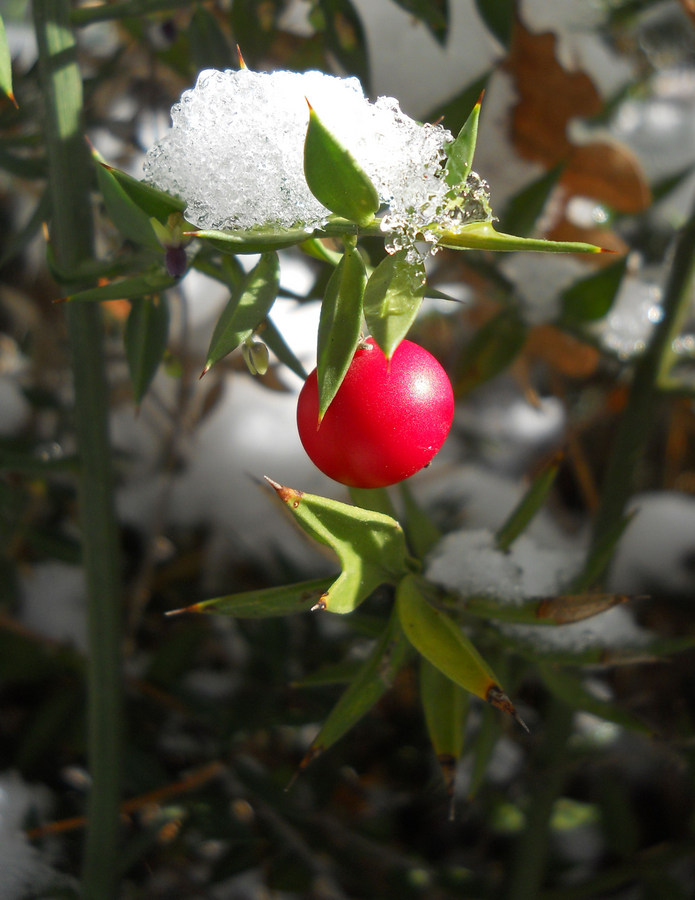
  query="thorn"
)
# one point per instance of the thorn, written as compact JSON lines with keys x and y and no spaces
{"x":496,"y":697}
{"x":61,"y":300}
{"x":242,"y":64}
{"x":286,"y":494}
{"x":320,"y":605}
{"x":479,"y":101}
{"x":11,"y":97}
{"x":311,"y":108}
{"x":195,"y":607}
{"x":291,"y":783}
{"x":205,"y":371}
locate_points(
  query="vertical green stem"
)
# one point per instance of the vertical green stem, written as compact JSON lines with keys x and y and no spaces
{"x":530,"y":854}
{"x":638,"y":417}
{"x":71,"y":240}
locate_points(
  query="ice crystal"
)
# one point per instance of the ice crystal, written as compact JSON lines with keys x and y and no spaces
{"x":235,"y":155}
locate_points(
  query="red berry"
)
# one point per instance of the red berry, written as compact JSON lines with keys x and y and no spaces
{"x":387,"y":420}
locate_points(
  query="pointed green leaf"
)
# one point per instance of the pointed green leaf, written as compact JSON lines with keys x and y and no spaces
{"x":562,"y":609}
{"x":209,"y":48}
{"x":247,"y":308}
{"x":482,"y":236}
{"x":441,"y":641}
{"x":145,"y":338}
{"x":569,"y":688}
{"x":287,"y":600}
{"x":592,"y":297}
{"x":434,"y":14}
{"x":445,"y":705}
{"x":152,"y":201}
{"x":420,"y":530}
{"x":600,"y":556}
{"x":490,"y":351}
{"x":525,"y":208}
{"x":339,"y":325}
{"x":374,"y":677}
{"x":276,"y":342}
{"x":489,"y":732}
{"x":392,"y":298}
{"x":150,"y":282}
{"x":15,"y":243}
{"x":370,"y":546}
{"x":257,"y":240}
{"x":5,"y":64}
{"x":345,"y":37}
{"x":499,"y":16}
{"x":529,"y":505}
{"x":316,"y":248}
{"x":330,"y":674}
{"x":456,"y":110}
{"x":334,"y":176}
{"x":536,"y":645}
{"x":126,"y":215}
{"x":461,"y":151}
{"x":376,"y":499}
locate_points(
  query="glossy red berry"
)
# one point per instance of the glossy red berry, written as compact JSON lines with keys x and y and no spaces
{"x":387,"y":420}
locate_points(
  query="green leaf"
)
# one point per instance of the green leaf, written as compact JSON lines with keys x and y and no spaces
{"x":392,"y":298}
{"x":533,"y":645}
{"x":455,"y":111}
{"x":562,"y":609}
{"x":445,"y":705}
{"x":524,"y":209}
{"x":335,"y":178}
{"x":485,"y":740}
{"x":600,"y":556}
{"x":529,"y":505}
{"x":440,"y":640}
{"x":420,"y":530}
{"x":16,"y":242}
{"x":209,"y":48}
{"x":376,"y":499}
{"x":482,"y":236}
{"x":126,"y":215}
{"x":592,"y":297}
{"x":316,"y":248}
{"x":374,"y":677}
{"x":276,"y":342}
{"x":146,"y":335}
{"x":493,"y":347}
{"x":339,"y":325}
{"x":246,"y":309}
{"x":258,"y":240}
{"x":152,"y":201}
{"x":370,"y":546}
{"x":5,"y":64}
{"x":23,"y":166}
{"x":287,"y":600}
{"x":461,"y":151}
{"x":570,"y":689}
{"x":151,"y":282}
{"x":434,"y":14}
{"x":498,"y":16}
{"x":345,"y":37}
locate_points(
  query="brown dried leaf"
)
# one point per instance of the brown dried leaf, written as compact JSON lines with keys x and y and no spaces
{"x":549,"y":98}
{"x":562,"y":352}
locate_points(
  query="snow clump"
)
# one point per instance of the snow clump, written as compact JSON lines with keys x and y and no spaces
{"x":235,"y":155}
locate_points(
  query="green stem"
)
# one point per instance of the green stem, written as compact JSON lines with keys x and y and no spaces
{"x":71,"y":241}
{"x":531,"y":851}
{"x":638,"y":417}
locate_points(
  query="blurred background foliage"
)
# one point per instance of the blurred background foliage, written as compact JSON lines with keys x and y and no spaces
{"x":587,"y":134}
